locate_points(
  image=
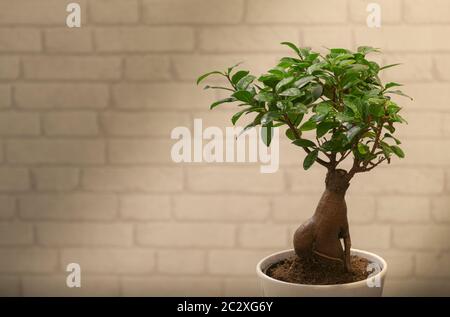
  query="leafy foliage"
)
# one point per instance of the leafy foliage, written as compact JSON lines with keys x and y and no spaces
{"x":337,"y":97}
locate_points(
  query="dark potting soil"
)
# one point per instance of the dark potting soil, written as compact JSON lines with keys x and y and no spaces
{"x":318,"y":272}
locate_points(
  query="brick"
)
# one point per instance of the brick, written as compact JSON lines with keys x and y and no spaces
{"x":433,"y":265}
{"x":233,"y":179}
{"x":246,"y":38}
{"x":84,"y":234}
{"x":446,"y":124}
{"x":360,"y":209}
{"x":147,"y":68}
{"x":9,"y":67}
{"x":133,"y":179}
{"x":171,"y":286}
{"x":263,"y":236}
{"x":5,"y":96}
{"x":65,"y":40}
{"x":9,"y":286}
{"x":114,"y":261}
{"x":14,"y":178}
{"x":423,"y":93}
{"x":391,"y":11}
{"x":416,"y":121}
{"x":413,"y":68}
{"x":7,"y":207}
{"x":16,"y":233}
{"x":19,"y":124}
{"x":72,"y":67}
{"x":48,"y":12}
{"x":70,"y":123}
{"x":221,"y":207}
{"x":55,"y":285}
{"x":440,"y":208}
{"x":20,"y":40}
{"x":143,"y":123}
{"x":45,"y":96}
{"x":394,"y":180}
{"x":185,"y":234}
{"x":29,"y":260}
{"x":404,"y":38}
{"x":190,"y":67}
{"x":68,"y":207}
{"x":193,"y":261}
{"x":193,"y":11}
{"x":144,"y":39}
{"x":294,"y":208}
{"x":56,"y":151}
{"x":369,"y":237}
{"x":161,"y":96}
{"x":400,"y":264}
{"x":113,"y":11}
{"x":319,"y":37}
{"x":139,"y":151}
{"x":311,"y":181}
{"x":268,"y":11}
{"x":403,"y":209}
{"x":145,"y":207}
{"x":433,"y":156}
{"x":56,"y":178}
{"x":242,"y":286}
{"x":421,"y":11}
{"x":234,"y":262}
{"x":415,"y":287}
{"x":422,"y":237}
{"x":442,"y":62}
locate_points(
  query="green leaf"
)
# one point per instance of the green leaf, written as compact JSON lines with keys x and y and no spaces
{"x":290,"y":134}
{"x":389,"y":66}
{"x":367,"y":49}
{"x":350,"y":134}
{"x":392,"y":84}
{"x":304,"y":143}
{"x":237,"y":115}
{"x":303,"y":81}
{"x":291,"y":92}
{"x":310,"y":159}
{"x":388,"y":135}
{"x":202,"y":77}
{"x":238,"y":76}
{"x":244,"y":82}
{"x":398,"y":151}
{"x":268,"y":117}
{"x":323,"y":108}
{"x":398,"y":92}
{"x":284,"y":82}
{"x":292,"y":46}
{"x":233,"y":67}
{"x":219,"y":102}
{"x":266,"y":134}
{"x":243,"y":95}
{"x":363,"y":149}
{"x":264,"y":96}
{"x":308,"y":125}
{"x":324,"y":127}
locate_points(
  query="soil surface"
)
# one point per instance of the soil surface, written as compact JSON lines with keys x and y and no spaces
{"x":318,"y":272}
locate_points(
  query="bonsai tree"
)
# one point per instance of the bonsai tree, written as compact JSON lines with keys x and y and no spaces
{"x":335,"y":108}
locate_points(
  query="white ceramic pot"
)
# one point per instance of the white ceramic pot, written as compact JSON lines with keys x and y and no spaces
{"x":373,"y":286}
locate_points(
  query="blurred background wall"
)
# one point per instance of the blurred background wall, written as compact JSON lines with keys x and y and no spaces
{"x":85,"y":121}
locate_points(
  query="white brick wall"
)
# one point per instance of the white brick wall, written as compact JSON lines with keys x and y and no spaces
{"x":85,"y":121}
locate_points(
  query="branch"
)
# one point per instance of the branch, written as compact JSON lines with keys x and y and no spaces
{"x":297,"y":136}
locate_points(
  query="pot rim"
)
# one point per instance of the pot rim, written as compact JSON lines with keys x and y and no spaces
{"x":378,"y":258}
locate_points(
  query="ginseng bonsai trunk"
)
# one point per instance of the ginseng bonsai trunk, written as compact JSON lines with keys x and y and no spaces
{"x":321,"y":234}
